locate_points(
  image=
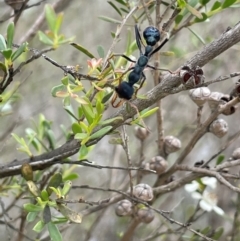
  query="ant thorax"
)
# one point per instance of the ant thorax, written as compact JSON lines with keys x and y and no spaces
{"x":148,"y":50}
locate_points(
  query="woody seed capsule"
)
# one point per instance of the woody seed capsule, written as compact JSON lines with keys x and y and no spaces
{"x":158,"y":164}
{"x":199,"y":95}
{"x":145,"y":215}
{"x":143,"y":191}
{"x":171,"y":144}
{"x":124,"y":208}
{"x":141,"y":133}
{"x":219,"y":128}
{"x":236,"y":154}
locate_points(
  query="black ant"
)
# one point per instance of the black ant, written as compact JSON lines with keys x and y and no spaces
{"x":125,"y":89}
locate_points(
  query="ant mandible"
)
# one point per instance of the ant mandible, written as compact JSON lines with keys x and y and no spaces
{"x":125,"y":89}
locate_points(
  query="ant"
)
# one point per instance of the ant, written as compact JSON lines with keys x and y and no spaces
{"x":125,"y":89}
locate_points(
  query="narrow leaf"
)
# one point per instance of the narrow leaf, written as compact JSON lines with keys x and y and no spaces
{"x":70,"y":214}
{"x":39,"y":226}
{"x":51,"y":17}
{"x":228,"y":3}
{"x":56,"y":89}
{"x":101,"y":132}
{"x":194,"y":11}
{"x":3,"y":45}
{"x":83,"y":50}
{"x":54,"y":232}
{"x":19,"y":51}
{"x":10,"y":34}
{"x":32,"y":208}
{"x":44,"y":38}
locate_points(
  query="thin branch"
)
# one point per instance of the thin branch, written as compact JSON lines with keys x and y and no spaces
{"x":210,"y":51}
{"x":117,"y":34}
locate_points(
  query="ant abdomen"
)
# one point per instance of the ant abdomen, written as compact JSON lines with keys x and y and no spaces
{"x":125,"y":90}
{"x":151,"y":35}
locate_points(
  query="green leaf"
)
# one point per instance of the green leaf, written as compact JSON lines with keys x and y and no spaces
{"x":44,"y":195}
{"x":76,"y":128}
{"x":178,"y":19}
{"x":19,"y":51}
{"x":3,"y":67}
{"x":10,"y":35}
{"x":51,"y":17}
{"x":220,"y":159}
{"x":54,"y":232}
{"x":69,"y":111}
{"x":66,"y":188}
{"x":58,"y":23}
{"x":110,"y":20}
{"x":55,"y":182}
{"x":83,"y":152}
{"x":216,"y":5}
{"x":44,"y":38}
{"x":115,"y":7}
{"x":204,"y":17}
{"x":197,"y":35}
{"x":39,"y":226}
{"x":81,"y":136}
{"x":228,"y":3}
{"x":67,"y":101}
{"x":70,"y":214}
{"x":101,"y":132}
{"x":148,"y":112}
{"x":84,"y":126}
{"x":218,"y":233}
{"x":181,"y":4}
{"x":31,"y":216}
{"x":122,"y":2}
{"x":83,"y":50}
{"x":206,"y":230}
{"x":100,"y":51}
{"x":57,"y":89}
{"x":70,"y":177}
{"x":88,"y":112}
{"x":107,"y":97}
{"x":64,"y":80}
{"x":7,"y":53}
{"x":32,"y":208}
{"x":3,"y":45}
{"x":110,"y":121}
{"x":46,"y":214}
{"x":33,"y":188}
{"x":204,"y":2}
{"x":193,"y":11}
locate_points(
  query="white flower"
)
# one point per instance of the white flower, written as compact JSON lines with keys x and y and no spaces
{"x":208,"y":199}
{"x":194,"y":186}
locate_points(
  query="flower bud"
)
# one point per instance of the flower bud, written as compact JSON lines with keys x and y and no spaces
{"x":236,"y":154}
{"x":143,"y":191}
{"x":219,"y":128}
{"x":158,"y":164}
{"x":141,"y":133}
{"x":124,"y":208}
{"x":199,"y":95}
{"x":171,"y":144}
{"x":144,"y":215}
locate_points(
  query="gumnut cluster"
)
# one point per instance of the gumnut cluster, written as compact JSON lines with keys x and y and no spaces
{"x":139,"y":211}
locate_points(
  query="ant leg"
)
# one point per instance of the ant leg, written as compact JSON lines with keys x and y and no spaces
{"x":154,"y":68}
{"x":114,"y":100}
{"x":138,"y":39}
{"x":122,"y":55}
{"x":160,"y":46}
{"x":141,"y":84}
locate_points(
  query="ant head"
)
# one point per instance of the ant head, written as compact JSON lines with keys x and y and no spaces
{"x":151,"y":35}
{"x":125,"y":91}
